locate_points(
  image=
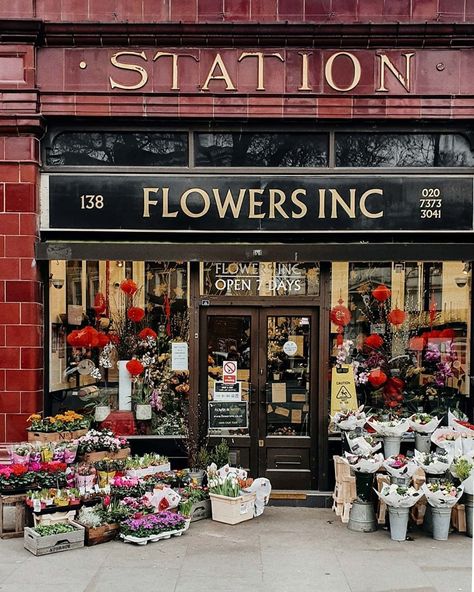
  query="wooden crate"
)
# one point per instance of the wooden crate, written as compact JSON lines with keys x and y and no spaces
{"x":55,"y":436}
{"x":101,"y":534}
{"x":92,"y":457}
{"x":344,"y":490}
{"x":54,"y":543}
{"x":17,"y":504}
{"x":201,"y":510}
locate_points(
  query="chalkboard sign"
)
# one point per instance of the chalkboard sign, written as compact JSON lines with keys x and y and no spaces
{"x":228,"y":415}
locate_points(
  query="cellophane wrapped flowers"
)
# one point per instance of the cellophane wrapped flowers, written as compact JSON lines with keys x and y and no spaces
{"x":433,"y":463}
{"x":400,"y":466}
{"x":395,"y":426}
{"x":442,"y":494}
{"x":423,"y":423}
{"x":399,"y":496}
{"x":364,"y":464}
{"x":350,"y":420}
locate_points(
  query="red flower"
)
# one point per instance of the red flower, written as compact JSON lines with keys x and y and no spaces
{"x":73,"y":338}
{"x":374,"y":341}
{"x":107,"y":501}
{"x":135,"y":367}
{"x":114,"y":338}
{"x":18,"y":469}
{"x":135,"y":314}
{"x":103,"y":339}
{"x":147,"y":332}
{"x":128,"y":287}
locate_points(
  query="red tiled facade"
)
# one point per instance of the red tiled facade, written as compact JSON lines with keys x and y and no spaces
{"x":41,"y":78}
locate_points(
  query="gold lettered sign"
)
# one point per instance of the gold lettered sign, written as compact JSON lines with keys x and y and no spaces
{"x":343,"y":391}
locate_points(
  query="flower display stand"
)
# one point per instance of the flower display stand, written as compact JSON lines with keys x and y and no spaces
{"x":382,"y":506}
{"x":344,"y":490}
{"x":54,"y":543}
{"x":232,"y":510}
{"x":14,"y":504}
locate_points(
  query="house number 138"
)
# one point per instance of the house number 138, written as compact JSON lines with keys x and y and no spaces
{"x":90,"y":202}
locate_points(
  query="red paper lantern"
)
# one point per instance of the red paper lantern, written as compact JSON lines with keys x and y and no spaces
{"x":135,"y":314}
{"x":128,"y":287}
{"x":374,"y":341}
{"x":88,"y":337}
{"x":397,"y":316}
{"x":340,"y":316}
{"x":73,"y":338}
{"x":377,"y":377}
{"x":135,"y":367}
{"x":99,"y":303}
{"x":103,"y":339}
{"x":381,"y":293}
{"x":147,"y":332}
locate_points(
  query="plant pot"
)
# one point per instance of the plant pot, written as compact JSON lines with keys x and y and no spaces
{"x":398,"y":523}
{"x":468,"y":504}
{"x":196,"y":476}
{"x":364,"y":482}
{"x":232,"y":510}
{"x":391,"y":445}
{"x":125,"y":386}
{"x":441,"y":522}
{"x":362,"y":517}
{"x":422,"y":442}
{"x":143,"y":412}
{"x":101,"y":412}
{"x":105,"y":477}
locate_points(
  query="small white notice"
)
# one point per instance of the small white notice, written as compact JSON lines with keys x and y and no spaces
{"x":290,"y":348}
{"x":179,"y":356}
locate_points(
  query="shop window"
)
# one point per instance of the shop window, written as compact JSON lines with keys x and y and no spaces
{"x":266,"y":278}
{"x":118,"y":149}
{"x":261,"y":149}
{"x":405,"y":327}
{"x":404,"y":150}
{"x":105,"y":311}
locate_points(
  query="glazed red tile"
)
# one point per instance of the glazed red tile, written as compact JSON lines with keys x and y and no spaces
{"x":236,"y":10}
{"x":9,"y":313}
{"x":22,"y":291}
{"x":9,"y":269}
{"x":31,"y":402}
{"x":290,"y":10}
{"x":20,"y":197}
{"x":10,"y":402}
{"x":263,"y":10}
{"x":31,"y":357}
{"x":184,"y":10}
{"x":16,"y":427}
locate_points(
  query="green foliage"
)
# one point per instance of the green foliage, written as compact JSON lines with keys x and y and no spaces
{"x":49,"y":529}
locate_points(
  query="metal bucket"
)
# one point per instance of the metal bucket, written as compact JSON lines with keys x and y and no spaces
{"x":391,"y":445}
{"x":364,"y":483}
{"x":362,"y":517}
{"x":405,"y":481}
{"x":398,"y":523}
{"x":422,"y":442}
{"x":468,"y":504}
{"x":441,"y":523}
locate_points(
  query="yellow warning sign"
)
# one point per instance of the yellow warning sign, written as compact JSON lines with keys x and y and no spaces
{"x":343,"y":391}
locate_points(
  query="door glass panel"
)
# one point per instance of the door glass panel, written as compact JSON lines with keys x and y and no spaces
{"x":228,"y":340}
{"x":288,"y":375}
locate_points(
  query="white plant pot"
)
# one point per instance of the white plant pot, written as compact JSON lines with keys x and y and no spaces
{"x":125,"y":386}
{"x":143,"y":412}
{"x":101,"y":412}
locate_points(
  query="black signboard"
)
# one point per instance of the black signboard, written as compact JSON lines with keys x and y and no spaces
{"x":252,"y":203}
{"x":228,"y":415}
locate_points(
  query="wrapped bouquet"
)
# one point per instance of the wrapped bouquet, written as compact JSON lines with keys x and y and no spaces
{"x":362,"y":444}
{"x":393,"y":427}
{"x":399,"y":496}
{"x":448,"y":439}
{"x":423,"y":423}
{"x":433,"y":463}
{"x":364,"y":464}
{"x":400,"y":466}
{"x":442,"y":495}
{"x":350,"y":420}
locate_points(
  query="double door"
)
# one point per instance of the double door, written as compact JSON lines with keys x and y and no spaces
{"x":258,"y":389}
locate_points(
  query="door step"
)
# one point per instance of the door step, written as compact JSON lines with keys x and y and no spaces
{"x":305,"y":499}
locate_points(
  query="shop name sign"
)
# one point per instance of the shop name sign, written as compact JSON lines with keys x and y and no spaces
{"x":282,"y":204}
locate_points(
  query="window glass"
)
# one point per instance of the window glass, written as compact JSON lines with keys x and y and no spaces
{"x":118,"y":149}
{"x":403,"y":150}
{"x":106,"y":311}
{"x":405,"y":329}
{"x":261,"y":149}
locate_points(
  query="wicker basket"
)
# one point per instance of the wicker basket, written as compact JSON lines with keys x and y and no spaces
{"x":232,"y":510}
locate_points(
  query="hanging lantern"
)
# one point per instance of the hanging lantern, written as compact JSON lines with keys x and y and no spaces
{"x":135,"y":314}
{"x":377,"y":377}
{"x":103,"y":339}
{"x":397,"y":317}
{"x":135,"y":367}
{"x":340,"y":316}
{"x":147,"y":332}
{"x":73,"y":338}
{"x":373,"y":341}
{"x":128,"y":287}
{"x":88,"y":337}
{"x":381,"y":293}
{"x":99,"y":303}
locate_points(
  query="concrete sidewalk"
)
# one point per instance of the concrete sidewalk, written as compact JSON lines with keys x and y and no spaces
{"x":286,"y":549}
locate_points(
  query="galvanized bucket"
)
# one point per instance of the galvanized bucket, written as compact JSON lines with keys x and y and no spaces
{"x":441,"y":523}
{"x":468,"y":504}
{"x":423,"y":442}
{"x":362,"y":517}
{"x":391,"y":445}
{"x":398,"y":523}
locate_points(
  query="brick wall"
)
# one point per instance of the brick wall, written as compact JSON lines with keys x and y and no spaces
{"x":268,"y":11}
{"x":21,"y":333}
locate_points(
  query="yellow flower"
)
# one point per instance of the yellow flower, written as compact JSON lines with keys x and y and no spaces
{"x":34,"y":417}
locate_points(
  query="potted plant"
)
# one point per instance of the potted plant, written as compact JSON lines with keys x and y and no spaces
{"x":229,"y":503}
{"x":199,"y":460}
{"x":95,"y":520}
{"x":100,"y":407}
{"x":141,"y":398}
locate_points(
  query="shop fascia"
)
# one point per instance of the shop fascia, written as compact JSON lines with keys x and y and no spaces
{"x":168,"y":62}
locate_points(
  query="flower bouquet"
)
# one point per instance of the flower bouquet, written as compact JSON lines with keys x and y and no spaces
{"x":364,"y":467}
{"x":229,"y":503}
{"x":391,"y":430}
{"x":85,"y":477}
{"x":163,"y":498}
{"x":423,"y":425}
{"x":141,"y":529}
{"x":441,"y":496}
{"x":99,"y":444}
{"x":348,"y":421}
{"x":433,"y":463}
{"x":448,"y":439}
{"x":364,"y":444}
{"x":399,"y":500}
{"x":460,"y":423}
{"x":400,"y":467}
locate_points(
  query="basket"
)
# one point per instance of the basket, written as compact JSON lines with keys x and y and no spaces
{"x":232,"y":510}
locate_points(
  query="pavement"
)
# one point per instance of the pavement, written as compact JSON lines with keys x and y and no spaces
{"x":284,"y":550}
